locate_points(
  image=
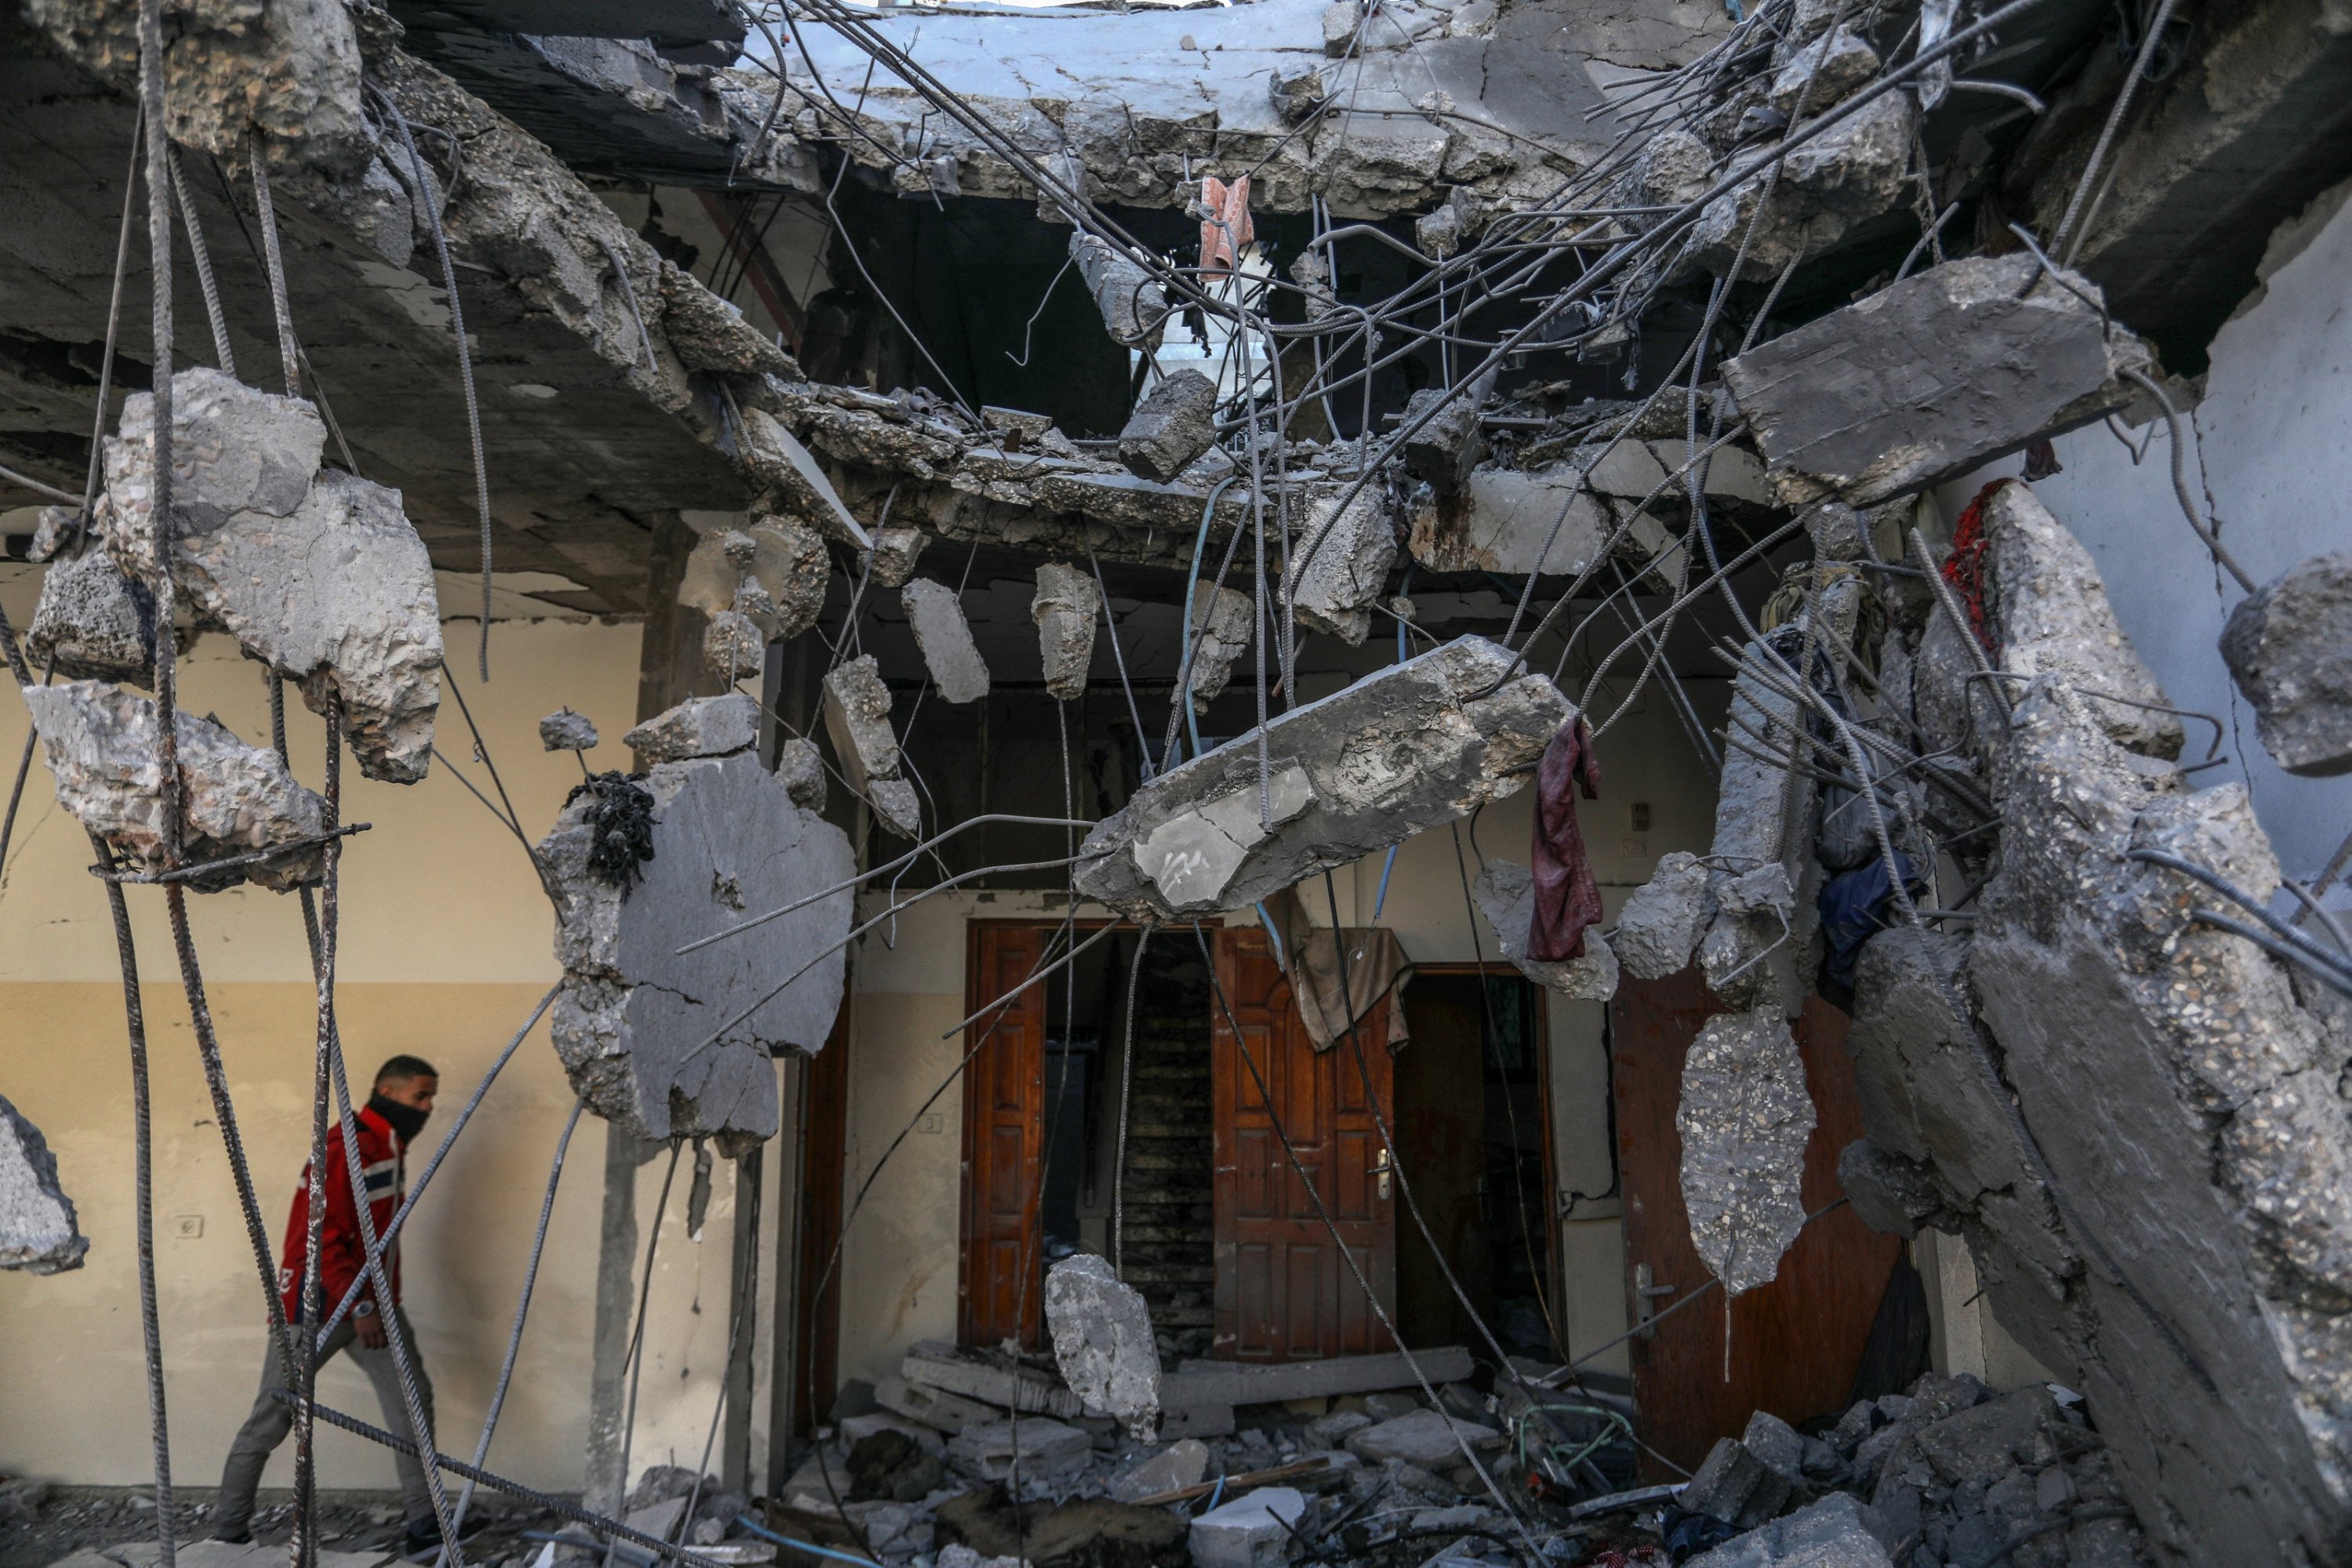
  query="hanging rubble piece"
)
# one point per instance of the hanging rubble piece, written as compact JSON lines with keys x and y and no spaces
{"x":2290,"y":649}
{"x":39,"y":1230}
{"x":1103,"y":1341}
{"x":799,"y":768}
{"x":1850,"y":174}
{"x":92,"y":623}
{"x":776,"y":456}
{"x":564,"y":730}
{"x":937,"y":617}
{"x":1662,"y":921}
{"x":1172,"y":425}
{"x":1441,"y":233}
{"x":732,"y":647}
{"x":101,"y":743}
{"x":1131,"y":301}
{"x":707,"y":333}
{"x":1744,"y":1120}
{"x":650,"y":1037}
{"x":789,"y":563}
{"x":857,"y":717}
{"x":1334,"y":590}
{"x":1505,"y":894}
{"x":1931,"y":377}
{"x":1406,"y":748}
{"x":714,"y":571}
{"x":1066,"y":609}
{"x":1823,"y":73}
{"x":1759,"y":951}
{"x":895,"y":552}
{"x":1222,"y":624}
{"x":1441,"y":453}
{"x":314,"y":570}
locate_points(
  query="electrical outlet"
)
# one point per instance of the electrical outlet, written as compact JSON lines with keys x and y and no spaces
{"x":1641,"y":816}
{"x":188,"y":1226}
{"x":930,"y":1123}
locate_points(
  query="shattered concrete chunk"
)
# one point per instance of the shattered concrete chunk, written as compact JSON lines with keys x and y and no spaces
{"x":1334,"y":590}
{"x":714,"y":571}
{"x":1852,"y":172}
{"x":1103,"y":1341}
{"x":1824,"y":73}
{"x":1131,"y":301}
{"x":733,"y":648}
{"x":92,"y":623}
{"x":39,"y":1230}
{"x":1413,"y":745}
{"x":564,"y":730}
{"x":1442,"y":452}
{"x":857,"y":717}
{"x":101,"y":743}
{"x":1222,"y":625}
{"x":706,"y":333}
{"x":682,"y":1045}
{"x":1507,"y":893}
{"x":1745,"y":1119}
{"x":1425,"y":1437}
{"x":934,"y":1408}
{"x":776,"y":457}
{"x":1295,"y":95}
{"x":896,"y":549}
{"x":789,"y":562}
{"x":977,"y":1375}
{"x":1777,"y":1444}
{"x":1251,"y":1531}
{"x":1734,"y":1485}
{"x":1067,"y":609}
{"x":1442,"y":232}
{"x":944,"y":637}
{"x":1172,"y":425}
{"x":234,"y":448}
{"x":1660,"y":925}
{"x":2290,"y":649}
{"x":1889,"y":1193}
{"x":1037,"y":1448}
{"x":1180,"y":1465}
{"x":1826,"y":1534}
{"x":800,"y":767}
{"x":698,"y":727}
{"x":2013,"y":355}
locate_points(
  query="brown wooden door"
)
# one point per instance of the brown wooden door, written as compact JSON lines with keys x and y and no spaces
{"x":1796,"y":1343}
{"x":1283,"y":1291}
{"x":1004,"y":1138}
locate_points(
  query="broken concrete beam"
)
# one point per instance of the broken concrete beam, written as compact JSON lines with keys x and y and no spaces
{"x":857,"y":717}
{"x":1931,"y":378}
{"x":92,"y":623}
{"x":955,"y":1371}
{"x":790,"y":562}
{"x":1067,"y":609}
{"x":1777,"y":1444}
{"x":1734,"y":1486}
{"x":896,"y":806}
{"x":1760,"y":816}
{"x":1506,"y":896}
{"x":1172,"y":425}
{"x":698,"y":727}
{"x":679,"y":1045}
{"x":1545,"y":521}
{"x":1830,"y":1533}
{"x":1196,"y":1383}
{"x":1132,"y":304}
{"x":1660,"y":925}
{"x":1222,"y":625}
{"x":564,"y":730}
{"x":895,"y":550}
{"x":1251,"y":1531}
{"x":1415,"y":745}
{"x":936,"y":616}
{"x":101,"y":743}
{"x":2290,"y":649}
{"x":1429,"y":1439}
{"x":934,"y":1408}
{"x":1745,"y":1119}
{"x":38,"y":1231}
{"x":1103,"y":1341}
{"x":1334,"y":589}
{"x":1442,"y":452}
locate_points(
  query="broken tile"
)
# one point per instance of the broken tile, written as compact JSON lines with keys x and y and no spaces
{"x":1067,"y":609}
{"x":1505,"y":894}
{"x":733,"y":646}
{"x":1745,"y":1119}
{"x":1103,"y":1341}
{"x":1334,"y":589}
{"x":1172,"y":425}
{"x":2290,"y":649}
{"x":38,"y":1231}
{"x":857,"y":717}
{"x":698,"y":727}
{"x":776,"y":457}
{"x":937,"y":617}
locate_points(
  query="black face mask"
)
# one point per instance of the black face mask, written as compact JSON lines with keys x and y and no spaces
{"x":406,"y":1120}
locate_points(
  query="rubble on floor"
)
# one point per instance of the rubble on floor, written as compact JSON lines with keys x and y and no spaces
{"x":681,"y":1045}
{"x":2290,"y":649}
{"x":1410,"y":746}
{"x":38,"y":1231}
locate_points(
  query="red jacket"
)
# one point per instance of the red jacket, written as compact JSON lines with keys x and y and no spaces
{"x":342,"y":1255}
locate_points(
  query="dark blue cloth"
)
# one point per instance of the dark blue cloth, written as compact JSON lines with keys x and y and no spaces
{"x":1854,"y":909}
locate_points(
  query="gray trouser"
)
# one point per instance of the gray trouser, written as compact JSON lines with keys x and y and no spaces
{"x":273,"y":1418}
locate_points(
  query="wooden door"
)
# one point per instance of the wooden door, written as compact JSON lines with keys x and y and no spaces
{"x":1283,"y":1290}
{"x":1796,"y":1343}
{"x":998,"y":1286}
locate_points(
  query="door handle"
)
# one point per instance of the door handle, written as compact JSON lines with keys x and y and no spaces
{"x":1381,"y":1168}
{"x":1645,"y":1292}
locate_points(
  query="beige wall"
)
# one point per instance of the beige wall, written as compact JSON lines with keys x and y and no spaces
{"x":446,"y":949}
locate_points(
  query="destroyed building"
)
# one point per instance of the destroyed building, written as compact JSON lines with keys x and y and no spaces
{"x":1435,"y":781}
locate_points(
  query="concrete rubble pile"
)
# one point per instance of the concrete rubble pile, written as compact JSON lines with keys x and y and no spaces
{"x":681,"y":1045}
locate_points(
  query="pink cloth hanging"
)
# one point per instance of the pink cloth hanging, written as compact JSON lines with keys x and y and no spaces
{"x":1567,"y":898}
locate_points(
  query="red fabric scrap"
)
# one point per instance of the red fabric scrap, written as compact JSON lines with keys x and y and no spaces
{"x":1964,"y":567}
{"x":1567,"y":896}
{"x":1222,"y":241}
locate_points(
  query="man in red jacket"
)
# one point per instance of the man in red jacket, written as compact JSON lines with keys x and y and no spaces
{"x":393,"y":1117}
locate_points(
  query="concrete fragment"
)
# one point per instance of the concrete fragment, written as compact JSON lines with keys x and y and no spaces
{"x":564,"y":730}
{"x":1441,"y":234}
{"x":1103,"y":1341}
{"x":790,"y":562}
{"x":1889,"y":1193}
{"x":1757,"y":954}
{"x":698,"y":727}
{"x":1334,"y":590}
{"x":1827,"y":1534}
{"x":1222,"y":625}
{"x":1295,"y":94}
{"x":1659,"y":927}
{"x":706,"y":333}
{"x":1067,"y":609}
{"x":1734,"y":1486}
{"x":855,"y":1429}
{"x":100,"y":744}
{"x":896,"y":549}
{"x":2013,"y":355}
{"x":800,"y":767}
{"x":1852,"y":172}
{"x":1776,"y":1443}
{"x":1267,"y":1383}
{"x":937,"y":617}
{"x":1745,"y":1119}
{"x":1505,"y":894}
{"x":1442,"y":452}
{"x":714,"y":571}
{"x":857,"y":717}
{"x":1131,"y":301}
{"x":956,"y":1371}
{"x":733,"y":648}
{"x":234,"y":448}
{"x":681,"y":1045}
{"x":38,"y":1231}
{"x":896,"y":806}
{"x":2290,"y":649}
{"x":1180,"y":1465}
{"x":1172,"y":425}
{"x":1415,"y":745}
{"x":1251,"y":1531}
{"x":1823,"y":73}
{"x":777,"y":457}
{"x":1429,"y":1439}
{"x":92,"y":623}
{"x":1035,"y":1447}
{"x":934,"y":1408}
